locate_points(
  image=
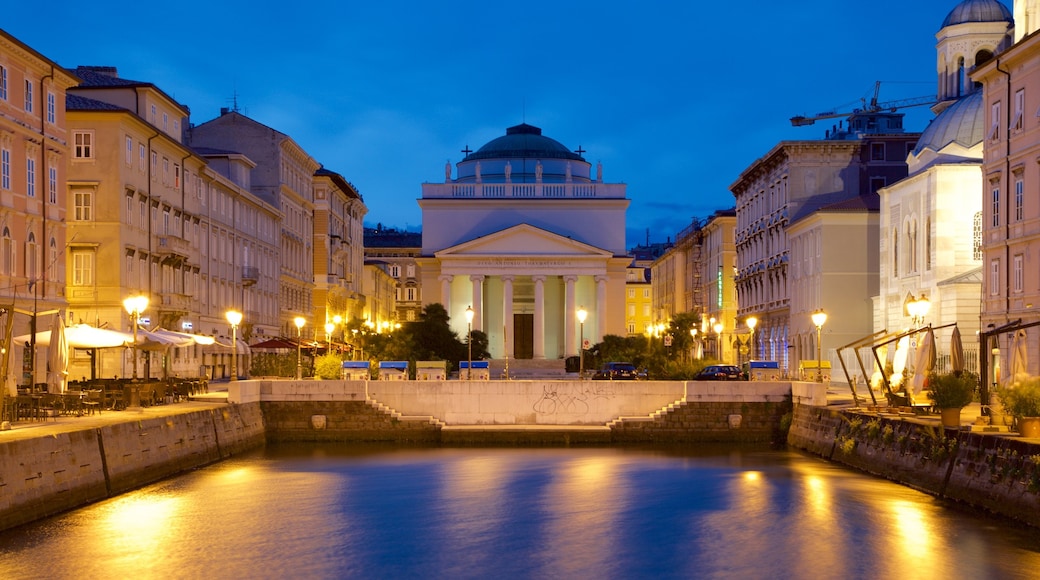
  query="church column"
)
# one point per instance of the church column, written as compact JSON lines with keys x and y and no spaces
{"x":539,"y":316}
{"x":507,"y":316}
{"x":569,"y":317}
{"x":446,"y":292}
{"x":478,"y":287}
{"x":601,"y":307}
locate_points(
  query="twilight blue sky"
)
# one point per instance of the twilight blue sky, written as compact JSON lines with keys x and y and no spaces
{"x":674,"y":98}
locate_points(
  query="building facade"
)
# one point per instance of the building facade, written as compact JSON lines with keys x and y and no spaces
{"x":35,"y":146}
{"x":1010,"y":229}
{"x":399,"y":251}
{"x":525,"y":235}
{"x":339,"y":253}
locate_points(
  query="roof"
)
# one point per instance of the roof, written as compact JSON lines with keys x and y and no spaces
{"x":78,"y":103}
{"x":523,"y":141}
{"x":392,"y":239}
{"x":963,"y":123}
{"x":978,"y":11}
{"x":104,"y":77}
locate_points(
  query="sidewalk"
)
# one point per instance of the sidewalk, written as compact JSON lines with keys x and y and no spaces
{"x":25,"y":429}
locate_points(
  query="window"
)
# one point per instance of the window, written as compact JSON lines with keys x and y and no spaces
{"x":3,"y":83}
{"x":142,"y":156}
{"x":877,"y":151}
{"x":83,"y":144}
{"x":83,"y":206}
{"x":631,"y":310}
{"x":7,"y":253}
{"x":5,"y":168}
{"x":32,"y":259}
{"x":165,"y":122}
{"x":51,"y":108}
{"x":646,"y":310}
{"x":30,"y":177}
{"x":876,"y":183}
{"x":977,"y":236}
{"x":1019,"y":199}
{"x":395,"y":271}
{"x":410,"y":270}
{"x":152,"y":118}
{"x":155,"y":164}
{"x":996,"y":206}
{"x":129,"y":151}
{"x":28,"y":96}
{"x":410,"y":294}
{"x":631,"y":292}
{"x":994,"y":122}
{"x":52,"y":184}
{"x":1020,"y":105}
{"x":994,"y":278}
{"x":165,"y":171}
{"x":928,"y":244}
{"x":895,"y":252}
{"x":1016,"y":269}
{"x":176,"y":175}
{"x":130,"y":210}
{"x":646,"y":293}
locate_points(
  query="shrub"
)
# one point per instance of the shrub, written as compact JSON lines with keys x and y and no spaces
{"x":950,"y":390}
{"x":1022,"y":398}
{"x":328,"y":367}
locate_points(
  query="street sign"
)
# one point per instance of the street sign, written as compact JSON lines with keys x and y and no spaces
{"x":668,"y":340}
{"x":586,"y":344}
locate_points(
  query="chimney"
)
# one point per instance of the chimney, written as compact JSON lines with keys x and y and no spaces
{"x":109,"y":71}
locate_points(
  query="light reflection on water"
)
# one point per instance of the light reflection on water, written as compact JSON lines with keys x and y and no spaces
{"x":370,"y":512}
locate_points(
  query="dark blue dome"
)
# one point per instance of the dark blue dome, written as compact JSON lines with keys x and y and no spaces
{"x":978,"y":11}
{"x":523,"y":142}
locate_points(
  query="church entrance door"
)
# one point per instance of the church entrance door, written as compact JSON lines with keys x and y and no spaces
{"x":523,"y":336}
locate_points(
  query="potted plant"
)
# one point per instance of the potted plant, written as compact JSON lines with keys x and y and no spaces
{"x":950,"y":392}
{"x":1022,"y":401}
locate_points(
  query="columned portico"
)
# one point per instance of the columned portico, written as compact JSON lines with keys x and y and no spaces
{"x":539,"y":316}
{"x":477,"y":282}
{"x":568,"y":319}
{"x":507,"y":317}
{"x":601,"y":305}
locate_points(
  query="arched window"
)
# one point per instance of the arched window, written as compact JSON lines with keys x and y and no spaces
{"x":895,"y":253}
{"x":31,"y":258}
{"x":7,"y":253}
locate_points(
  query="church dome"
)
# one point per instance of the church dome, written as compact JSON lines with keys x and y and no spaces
{"x":962,"y":123}
{"x":523,"y":142}
{"x":978,"y":11}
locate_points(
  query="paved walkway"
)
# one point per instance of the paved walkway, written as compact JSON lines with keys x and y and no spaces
{"x":25,"y":429}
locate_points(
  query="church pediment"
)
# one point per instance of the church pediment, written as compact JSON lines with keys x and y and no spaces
{"x":523,"y":240}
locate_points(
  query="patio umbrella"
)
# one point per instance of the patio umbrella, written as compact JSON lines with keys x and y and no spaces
{"x":58,"y":356}
{"x":899,"y":361}
{"x":925,"y":361}
{"x":956,"y":351}
{"x":1019,"y":357}
{"x":194,"y":338}
{"x":877,"y":377}
{"x":83,"y":336}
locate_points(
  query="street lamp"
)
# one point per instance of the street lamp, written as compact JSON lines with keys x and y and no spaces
{"x":299,"y":321}
{"x":918,"y":308}
{"x":582,"y":313}
{"x":135,"y":306}
{"x":717,"y":327}
{"x":329,"y":327}
{"x":469,"y":341}
{"x":819,"y":318}
{"x":234,"y":318}
{"x":693,"y":343}
{"x":751,"y":323}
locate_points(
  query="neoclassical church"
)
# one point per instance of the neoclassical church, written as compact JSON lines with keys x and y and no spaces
{"x":526,"y":236}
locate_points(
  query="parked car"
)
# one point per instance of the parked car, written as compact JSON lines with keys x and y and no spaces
{"x":617,"y":371}
{"x":719,"y":373}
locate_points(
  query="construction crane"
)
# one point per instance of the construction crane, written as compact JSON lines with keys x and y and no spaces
{"x":873,"y":107}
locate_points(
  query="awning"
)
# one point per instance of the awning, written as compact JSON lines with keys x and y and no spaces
{"x":194,"y":338}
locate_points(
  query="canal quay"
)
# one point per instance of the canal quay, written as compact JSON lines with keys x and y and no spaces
{"x":59,"y":463}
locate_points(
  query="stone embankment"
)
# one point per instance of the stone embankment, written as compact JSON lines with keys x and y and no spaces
{"x":996,"y":472}
{"x":62,"y":469}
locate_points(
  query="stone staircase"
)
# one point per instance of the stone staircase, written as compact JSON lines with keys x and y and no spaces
{"x":530,"y":369}
{"x":651,"y":418}
{"x":427,"y":419}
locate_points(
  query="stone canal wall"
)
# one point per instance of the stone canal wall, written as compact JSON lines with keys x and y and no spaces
{"x":50,"y":474}
{"x":999,"y":473}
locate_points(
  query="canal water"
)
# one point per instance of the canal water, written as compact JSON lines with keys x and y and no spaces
{"x":331,"y":511}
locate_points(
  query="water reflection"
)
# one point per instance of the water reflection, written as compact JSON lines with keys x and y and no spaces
{"x":369,"y":512}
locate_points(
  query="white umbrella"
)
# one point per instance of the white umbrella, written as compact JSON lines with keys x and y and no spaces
{"x":58,"y":356}
{"x":956,"y":351}
{"x":195,"y":338}
{"x":83,"y":336}
{"x":925,"y":361}
{"x":899,"y":361}
{"x":1019,"y":357}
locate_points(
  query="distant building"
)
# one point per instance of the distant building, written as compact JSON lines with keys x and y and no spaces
{"x":399,"y":250}
{"x":339,"y":254}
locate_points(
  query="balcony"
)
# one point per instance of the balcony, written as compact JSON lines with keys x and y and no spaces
{"x":250,"y":275}
{"x":174,"y":303}
{"x":593,"y":190}
{"x":173,"y":249}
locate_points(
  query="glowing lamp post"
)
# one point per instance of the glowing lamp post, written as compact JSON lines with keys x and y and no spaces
{"x":751,"y":323}
{"x":718,"y":338}
{"x":329,"y":327}
{"x":918,"y":308}
{"x":299,"y":321}
{"x":469,"y":341}
{"x":819,"y":318}
{"x":582,"y":314}
{"x":234,"y":318}
{"x":135,"y":306}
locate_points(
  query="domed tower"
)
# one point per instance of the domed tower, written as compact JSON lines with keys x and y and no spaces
{"x":523,"y":155}
{"x":972,"y":32}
